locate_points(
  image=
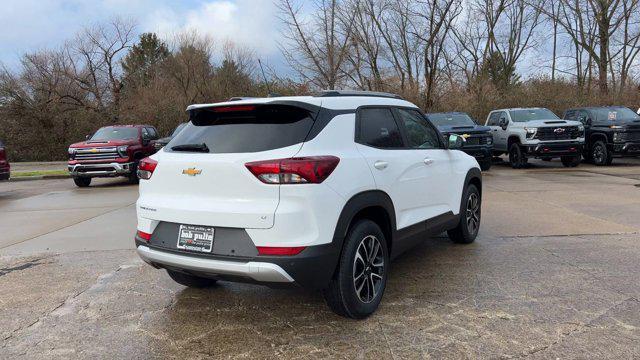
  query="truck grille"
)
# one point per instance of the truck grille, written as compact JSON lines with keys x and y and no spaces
{"x":558,"y":133}
{"x":97,"y":153}
{"x":633,"y":136}
{"x":477,"y":140}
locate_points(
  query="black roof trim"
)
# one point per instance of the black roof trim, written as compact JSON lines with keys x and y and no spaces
{"x":337,"y":93}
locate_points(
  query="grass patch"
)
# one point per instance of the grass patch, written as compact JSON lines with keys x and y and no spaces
{"x":38,"y":173}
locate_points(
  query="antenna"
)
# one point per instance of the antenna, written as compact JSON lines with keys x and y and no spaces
{"x":264,"y":77}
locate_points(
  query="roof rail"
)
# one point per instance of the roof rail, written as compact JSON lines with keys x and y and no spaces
{"x":337,"y":93}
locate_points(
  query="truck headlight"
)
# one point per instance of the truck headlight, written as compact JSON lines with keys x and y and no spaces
{"x":531,"y":131}
{"x":581,"y":128}
{"x":72,"y":153}
{"x":489,"y":140}
{"x":122,"y":150}
{"x":618,"y":137}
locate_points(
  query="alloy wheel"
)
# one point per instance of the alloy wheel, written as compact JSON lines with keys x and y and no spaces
{"x":598,"y":154}
{"x":473,"y":213}
{"x":368,"y":269}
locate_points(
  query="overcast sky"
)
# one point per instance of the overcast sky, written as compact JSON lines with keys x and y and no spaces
{"x":28,"y":25}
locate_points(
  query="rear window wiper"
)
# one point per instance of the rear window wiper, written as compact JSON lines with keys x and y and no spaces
{"x":192,"y":147}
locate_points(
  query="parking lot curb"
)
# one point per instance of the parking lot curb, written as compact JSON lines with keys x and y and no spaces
{"x":41,"y":177}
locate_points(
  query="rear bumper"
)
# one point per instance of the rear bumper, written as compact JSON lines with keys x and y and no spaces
{"x":548,"y":150}
{"x":257,"y":271}
{"x":101,"y":170}
{"x":232,"y":259}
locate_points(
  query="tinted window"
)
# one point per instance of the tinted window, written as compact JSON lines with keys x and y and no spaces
{"x":145,"y":133}
{"x":1,"y":144}
{"x":251,"y":129}
{"x":570,"y":115}
{"x":178,"y":129}
{"x":525,"y":115}
{"x":443,"y":119}
{"x":494,"y":119}
{"x":615,"y":113}
{"x":153,"y":133}
{"x":420,"y":135}
{"x":379,"y":129}
{"x":115,"y":133}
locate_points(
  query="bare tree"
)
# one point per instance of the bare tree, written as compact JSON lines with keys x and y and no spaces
{"x":317,"y":49}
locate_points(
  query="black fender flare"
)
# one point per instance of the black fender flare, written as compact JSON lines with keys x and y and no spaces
{"x":358,"y":202}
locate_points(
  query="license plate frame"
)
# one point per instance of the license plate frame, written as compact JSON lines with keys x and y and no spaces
{"x":195,"y":238}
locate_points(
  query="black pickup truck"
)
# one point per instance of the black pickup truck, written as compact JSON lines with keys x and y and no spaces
{"x":610,"y":131}
{"x":479,"y":141}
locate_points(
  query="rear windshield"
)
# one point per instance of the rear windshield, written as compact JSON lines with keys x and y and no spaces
{"x":115,"y":133}
{"x":178,"y":129}
{"x":442,"y":119}
{"x":616,"y":113}
{"x":525,"y":115}
{"x":251,"y":129}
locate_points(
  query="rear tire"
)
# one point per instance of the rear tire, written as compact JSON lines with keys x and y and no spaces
{"x":571,"y":161}
{"x":470,"y":214}
{"x":600,"y":155}
{"x":190,"y":280}
{"x":82,"y":181}
{"x":517,"y":159}
{"x":361,"y":277}
{"x":485,"y":164}
{"x":133,"y":176}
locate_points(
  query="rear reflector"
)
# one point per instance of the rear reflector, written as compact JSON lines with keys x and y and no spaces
{"x":280,"y":251}
{"x":302,"y":170}
{"x":146,"y":167}
{"x":144,"y":235}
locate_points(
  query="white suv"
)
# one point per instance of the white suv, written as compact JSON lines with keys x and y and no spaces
{"x":315,"y":191}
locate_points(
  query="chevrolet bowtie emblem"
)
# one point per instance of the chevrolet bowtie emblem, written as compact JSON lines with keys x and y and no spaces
{"x":465,"y":135}
{"x":192,"y":171}
{"x":94,"y":150}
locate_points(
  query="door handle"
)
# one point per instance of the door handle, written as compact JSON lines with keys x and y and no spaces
{"x":380,"y":165}
{"x":495,"y":129}
{"x":428,"y":161}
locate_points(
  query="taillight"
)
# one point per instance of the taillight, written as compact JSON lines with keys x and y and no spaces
{"x":143,"y":235}
{"x":146,"y":167}
{"x":302,"y":170}
{"x":279,"y":251}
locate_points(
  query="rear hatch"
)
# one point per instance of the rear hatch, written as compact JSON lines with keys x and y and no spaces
{"x":201,"y":177}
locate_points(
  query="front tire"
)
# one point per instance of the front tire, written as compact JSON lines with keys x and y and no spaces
{"x":517,"y":159}
{"x":571,"y":161}
{"x":360,"y":280}
{"x":190,"y":280}
{"x":470,"y":214}
{"x":82,"y":181}
{"x":485,"y":164}
{"x":600,"y":155}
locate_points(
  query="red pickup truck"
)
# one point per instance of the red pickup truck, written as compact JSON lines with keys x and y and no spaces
{"x":5,"y":169}
{"x":112,"y":151}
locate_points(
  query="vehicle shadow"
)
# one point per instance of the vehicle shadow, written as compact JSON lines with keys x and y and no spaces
{"x":218,"y":320}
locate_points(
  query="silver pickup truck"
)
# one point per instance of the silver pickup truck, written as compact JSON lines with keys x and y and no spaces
{"x":535,"y":132}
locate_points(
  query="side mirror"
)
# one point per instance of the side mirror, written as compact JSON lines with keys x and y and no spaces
{"x":145,"y":142}
{"x":455,"y":142}
{"x":588,"y":122}
{"x":87,"y":137}
{"x":503,"y":123}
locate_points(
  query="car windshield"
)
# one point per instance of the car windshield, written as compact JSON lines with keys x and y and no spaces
{"x":616,"y":113}
{"x":178,"y":129}
{"x":115,"y":133}
{"x":444,"y":119}
{"x":525,"y":115}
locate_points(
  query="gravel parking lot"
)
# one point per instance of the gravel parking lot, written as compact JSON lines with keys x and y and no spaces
{"x":553,"y":274}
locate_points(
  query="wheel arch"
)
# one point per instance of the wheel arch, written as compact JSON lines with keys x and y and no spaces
{"x":375,"y":205}
{"x":474,"y":177}
{"x":513,"y":139}
{"x":598,"y":136}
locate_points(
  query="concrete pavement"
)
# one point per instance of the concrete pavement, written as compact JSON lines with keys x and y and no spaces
{"x":552,"y":274}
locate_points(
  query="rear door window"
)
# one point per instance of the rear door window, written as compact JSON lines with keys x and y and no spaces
{"x":494,"y":119}
{"x":245,"y":128}
{"x":378,"y":128}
